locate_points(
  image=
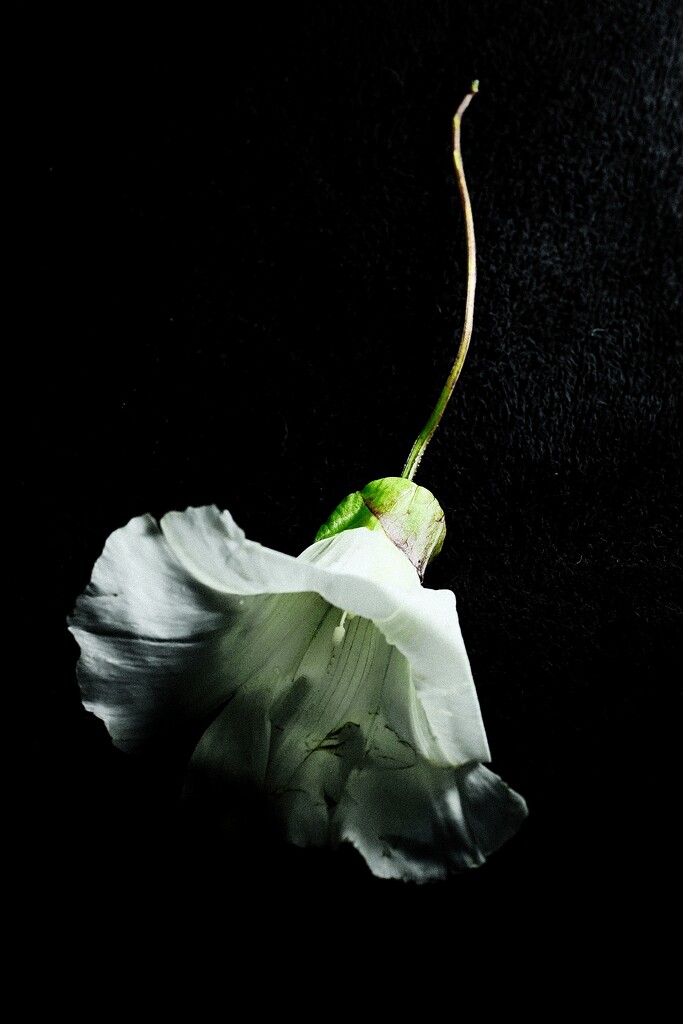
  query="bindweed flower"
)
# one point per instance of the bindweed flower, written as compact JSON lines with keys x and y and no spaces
{"x":339,"y":686}
{"x":334,"y":684}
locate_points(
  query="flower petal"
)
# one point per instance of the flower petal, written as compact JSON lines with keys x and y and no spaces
{"x":173,"y":622}
{"x":213,"y":549}
{"x":297,"y":735}
{"x":424,"y":821}
{"x":362,"y":571}
{"x":160,"y":649}
{"x":336,"y":767}
{"x":445,"y":717}
{"x":364,"y":733}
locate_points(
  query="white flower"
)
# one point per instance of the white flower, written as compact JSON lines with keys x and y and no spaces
{"x":339,"y":686}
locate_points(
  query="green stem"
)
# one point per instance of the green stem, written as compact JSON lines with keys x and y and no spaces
{"x":432,"y":423}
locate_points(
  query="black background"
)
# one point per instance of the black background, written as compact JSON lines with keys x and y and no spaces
{"x":247,"y":285}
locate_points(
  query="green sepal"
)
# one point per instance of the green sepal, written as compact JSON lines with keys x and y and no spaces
{"x":409,"y":514}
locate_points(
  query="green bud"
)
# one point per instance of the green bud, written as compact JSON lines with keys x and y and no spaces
{"x":409,"y":514}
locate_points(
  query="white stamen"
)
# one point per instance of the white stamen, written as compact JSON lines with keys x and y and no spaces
{"x":339,"y":631}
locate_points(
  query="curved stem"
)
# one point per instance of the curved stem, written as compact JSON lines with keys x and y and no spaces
{"x":432,"y":423}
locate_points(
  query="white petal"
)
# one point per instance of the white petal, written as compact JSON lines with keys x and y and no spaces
{"x":363,"y":572}
{"x":357,"y":741}
{"x":170,"y":623}
{"x":159,"y":649}
{"x":336,"y":768}
{"x":148,"y":636}
{"x":427,"y":632}
{"x":423,"y":625}
{"x":309,"y":725}
{"x":423,"y":822}
{"x":167,"y":610}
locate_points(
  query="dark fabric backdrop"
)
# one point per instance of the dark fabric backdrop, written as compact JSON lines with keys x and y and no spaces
{"x":248,"y":284}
